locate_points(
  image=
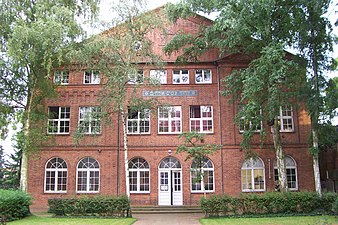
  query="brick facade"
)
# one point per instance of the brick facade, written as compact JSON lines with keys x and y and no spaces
{"x":154,"y":147}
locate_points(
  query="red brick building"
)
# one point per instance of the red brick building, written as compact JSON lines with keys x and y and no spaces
{"x":159,"y":176}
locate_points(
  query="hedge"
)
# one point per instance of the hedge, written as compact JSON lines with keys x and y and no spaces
{"x":14,"y":205}
{"x":269,"y":203}
{"x":91,"y":206}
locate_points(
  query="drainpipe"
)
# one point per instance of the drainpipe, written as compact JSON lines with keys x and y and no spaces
{"x":220,"y":123}
{"x":118,"y":153}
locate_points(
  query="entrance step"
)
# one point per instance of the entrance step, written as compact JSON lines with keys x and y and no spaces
{"x":165,"y":209}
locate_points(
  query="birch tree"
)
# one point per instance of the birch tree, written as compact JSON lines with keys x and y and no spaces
{"x":119,"y":54}
{"x":35,"y":35}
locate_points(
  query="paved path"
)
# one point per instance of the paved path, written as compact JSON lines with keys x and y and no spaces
{"x":168,"y":219}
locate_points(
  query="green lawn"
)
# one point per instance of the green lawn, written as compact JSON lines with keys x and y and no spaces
{"x":38,"y":220}
{"x":296,"y":220}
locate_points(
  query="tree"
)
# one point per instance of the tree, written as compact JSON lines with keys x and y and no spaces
{"x":270,"y":81}
{"x":35,"y":35}
{"x":314,"y":42}
{"x":197,"y":150}
{"x":119,"y":54}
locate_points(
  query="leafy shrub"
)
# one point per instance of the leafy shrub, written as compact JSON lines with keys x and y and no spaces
{"x":269,"y":203}
{"x":91,"y":206}
{"x":14,"y":204}
{"x":335,"y":206}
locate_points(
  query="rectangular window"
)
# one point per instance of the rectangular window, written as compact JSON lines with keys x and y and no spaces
{"x":201,"y":119}
{"x":90,"y":120}
{"x":138,"y":122}
{"x":91,"y":77}
{"x":286,"y":119}
{"x":61,"y":77}
{"x":136,"y":78}
{"x":58,"y":120}
{"x":203,"y":77}
{"x":248,"y":123}
{"x":169,"y":119}
{"x":158,"y":76}
{"x":180,"y":77}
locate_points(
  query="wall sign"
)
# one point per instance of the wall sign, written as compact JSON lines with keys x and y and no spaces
{"x":166,"y":93}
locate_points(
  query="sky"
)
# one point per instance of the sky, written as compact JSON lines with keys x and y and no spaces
{"x":106,"y":15}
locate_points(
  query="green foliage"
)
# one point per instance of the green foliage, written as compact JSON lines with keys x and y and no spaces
{"x":335,"y":206}
{"x":14,"y":204}
{"x":91,"y":206}
{"x":269,"y":203}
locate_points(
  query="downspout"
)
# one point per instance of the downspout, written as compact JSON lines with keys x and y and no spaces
{"x":118,"y":153}
{"x":220,"y":124}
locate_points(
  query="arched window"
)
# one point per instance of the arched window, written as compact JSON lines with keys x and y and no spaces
{"x":139,"y":180}
{"x":170,"y":162}
{"x":291,"y":173}
{"x":56,"y":175}
{"x":88,"y":175}
{"x":202,"y":176}
{"x":253,"y":175}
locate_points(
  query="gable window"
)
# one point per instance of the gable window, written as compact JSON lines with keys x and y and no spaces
{"x":201,"y":119}
{"x":159,"y":76}
{"x":286,"y":119}
{"x":91,"y":77}
{"x":291,"y":173}
{"x":58,"y":120}
{"x":170,"y":119}
{"x":253,"y":175}
{"x":203,"y":76}
{"x":202,"y":176}
{"x":61,"y":77}
{"x":139,"y":178}
{"x":88,"y":175}
{"x":90,"y":120}
{"x":138,"y":122}
{"x":136,"y":78}
{"x":56,"y":176}
{"x":180,"y":77}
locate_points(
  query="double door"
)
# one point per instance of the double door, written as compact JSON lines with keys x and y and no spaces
{"x":170,"y":187}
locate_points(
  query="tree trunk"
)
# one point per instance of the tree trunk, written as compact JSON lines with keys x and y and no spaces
{"x":24,"y":156}
{"x":316,"y":162}
{"x":280,"y":156}
{"x":125,"y":146}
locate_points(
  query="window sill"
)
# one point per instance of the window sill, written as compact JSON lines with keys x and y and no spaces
{"x":140,"y":193}
{"x":201,"y":192}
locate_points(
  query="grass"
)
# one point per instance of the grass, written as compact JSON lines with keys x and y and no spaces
{"x":38,"y":220}
{"x":296,"y":220}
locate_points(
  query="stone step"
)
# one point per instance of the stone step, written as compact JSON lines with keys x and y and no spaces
{"x":165,"y":209}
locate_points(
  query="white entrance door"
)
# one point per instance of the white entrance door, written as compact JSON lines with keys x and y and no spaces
{"x":170,"y":182}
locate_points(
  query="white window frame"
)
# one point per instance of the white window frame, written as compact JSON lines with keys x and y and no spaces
{"x":201,"y":76}
{"x":61,"y":77}
{"x":136,"y":78}
{"x":206,"y":169}
{"x":59,"y":120}
{"x":138,"y":121}
{"x":138,"y":168}
{"x":89,"y":115}
{"x":247,"y":121}
{"x":180,"y":76}
{"x":88,"y":169}
{"x":290,"y":164}
{"x":283,"y":118}
{"x":202,"y":118}
{"x":60,"y":166}
{"x":158,"y":76}
{"x":249,"y":166}
{"x":91,"y":77}
{"x":170,"y":119}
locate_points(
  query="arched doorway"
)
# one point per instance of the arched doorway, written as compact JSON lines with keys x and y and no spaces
{"x":170,"y":182}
